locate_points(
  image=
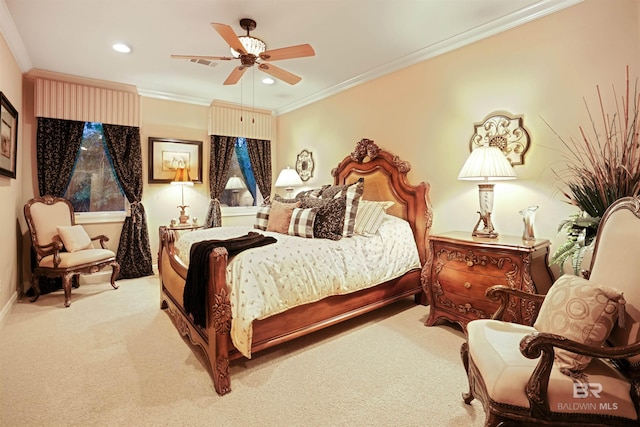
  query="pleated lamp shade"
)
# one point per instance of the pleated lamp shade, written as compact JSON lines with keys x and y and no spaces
{"x":487,"y":162}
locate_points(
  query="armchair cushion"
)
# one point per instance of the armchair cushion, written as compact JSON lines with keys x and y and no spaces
{"x":74,"y":237}
{"x":78,"y":258}
{"x":581,"y":311}
{"x":494,"y":349}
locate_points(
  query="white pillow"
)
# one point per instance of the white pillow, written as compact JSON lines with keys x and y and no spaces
{"x":73,"y":237}
{"x":369,"y":216}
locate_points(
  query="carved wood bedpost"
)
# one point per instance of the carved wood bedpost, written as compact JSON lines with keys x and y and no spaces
{"x":219,"y":321}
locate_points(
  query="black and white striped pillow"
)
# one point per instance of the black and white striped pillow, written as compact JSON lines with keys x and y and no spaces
{"x":302,"y":222}
{"x":262,"y":218}
{"x":353,"y":194}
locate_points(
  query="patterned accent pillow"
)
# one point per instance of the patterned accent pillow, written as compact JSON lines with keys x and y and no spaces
{"x":302,"y":222}
{"x":581,"y":311}
{"x":280,"y":216}
{"x":353,"y":193}
{"x":262,"y":218}
{"x":74,"y":237}
{"x":331,"y":191}
{"x":369,"y":216}
{"x":329,"y":216}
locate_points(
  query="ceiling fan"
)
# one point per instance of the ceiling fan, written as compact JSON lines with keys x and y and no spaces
{"x":252,"y":51}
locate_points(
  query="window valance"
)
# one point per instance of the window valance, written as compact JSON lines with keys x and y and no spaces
{"x":225,"y":119}
{"x":58,"y":99}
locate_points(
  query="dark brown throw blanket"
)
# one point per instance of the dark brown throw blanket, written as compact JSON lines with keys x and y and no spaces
{"x":195,"y":287}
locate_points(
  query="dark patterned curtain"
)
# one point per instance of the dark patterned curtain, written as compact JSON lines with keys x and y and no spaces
{"x":57,"y":145}
{"x":134,"y":251}
{"x":222,"y":148}
{"x":260,"y":156}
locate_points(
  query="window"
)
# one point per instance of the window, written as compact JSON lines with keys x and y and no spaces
{"x":93,"y":186}
{"x":241,"y":188}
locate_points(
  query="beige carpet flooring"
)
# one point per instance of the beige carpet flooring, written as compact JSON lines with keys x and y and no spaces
{"x":114,"y":358}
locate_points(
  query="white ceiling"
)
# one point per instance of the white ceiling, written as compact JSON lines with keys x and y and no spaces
{"x":354,"y":41}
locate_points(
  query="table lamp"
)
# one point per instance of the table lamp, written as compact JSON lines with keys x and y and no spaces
{"x":182,"y":178}
{"x":486,"y":162}
{"x":288,"y":178}
{"x":235,"y":184}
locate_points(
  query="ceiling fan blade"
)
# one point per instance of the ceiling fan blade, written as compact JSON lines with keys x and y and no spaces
{"x":235,"y":75}
{"x":298,"y":51}
{"x":210,"y":58}
{"x":227,"y":33}
{"x":280,"y":74}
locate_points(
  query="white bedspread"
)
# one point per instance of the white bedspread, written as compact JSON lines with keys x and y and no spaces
{"x":271,"y":279}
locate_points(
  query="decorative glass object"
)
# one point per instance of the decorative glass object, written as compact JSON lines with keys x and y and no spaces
{"x":528,"y":217}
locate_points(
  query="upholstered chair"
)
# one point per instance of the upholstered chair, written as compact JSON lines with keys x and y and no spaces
{"x":579,"y":364}
{"x":63,"y":248}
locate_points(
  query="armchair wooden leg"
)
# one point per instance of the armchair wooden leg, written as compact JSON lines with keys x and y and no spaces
{"x":114,"y":273}
{"x":35,"y":284}
{"x":464,"y":354}
{"x":66,"y":285}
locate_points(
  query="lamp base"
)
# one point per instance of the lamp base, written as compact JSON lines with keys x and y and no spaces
{"x":184,"y":218}
{"x":487,"y":229}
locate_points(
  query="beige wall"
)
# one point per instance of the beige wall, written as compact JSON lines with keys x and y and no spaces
{"x":425,"y":113}
{"x":11,"y":189}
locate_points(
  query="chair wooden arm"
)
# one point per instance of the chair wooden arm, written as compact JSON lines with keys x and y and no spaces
{"x":54,"y":248}
{"x":541,"y":344}
{"x":503,"y":293}
{"x":102,"y":239}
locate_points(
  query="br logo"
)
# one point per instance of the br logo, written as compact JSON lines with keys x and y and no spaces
{"x":582,"y":390}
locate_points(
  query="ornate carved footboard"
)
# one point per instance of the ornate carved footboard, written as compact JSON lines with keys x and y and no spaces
{"x":385,"y":179}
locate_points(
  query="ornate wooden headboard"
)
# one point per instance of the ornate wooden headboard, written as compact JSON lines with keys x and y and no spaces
{"x":385,"y":178}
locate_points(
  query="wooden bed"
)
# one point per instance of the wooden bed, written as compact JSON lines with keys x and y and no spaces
{"x":386,"y":179}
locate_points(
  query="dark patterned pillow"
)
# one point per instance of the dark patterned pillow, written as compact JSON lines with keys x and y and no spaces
{"x":329,"y":216}
{"x":331,"y":191}
{"x":302,"y":222}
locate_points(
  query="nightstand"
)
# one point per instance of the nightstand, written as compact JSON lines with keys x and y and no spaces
{"x":460,"y":268}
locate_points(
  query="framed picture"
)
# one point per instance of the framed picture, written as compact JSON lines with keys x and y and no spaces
{"x":8,"y":137}
{"x":304,"y":165}
{"x":166,"y":155}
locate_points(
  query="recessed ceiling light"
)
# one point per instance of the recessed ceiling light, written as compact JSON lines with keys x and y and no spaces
{"x":268,"y":81}
{"x":121,"y":47}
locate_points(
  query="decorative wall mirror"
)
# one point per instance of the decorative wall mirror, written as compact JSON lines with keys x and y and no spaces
{"x":304,"y":165}
{"x":504,"y":131}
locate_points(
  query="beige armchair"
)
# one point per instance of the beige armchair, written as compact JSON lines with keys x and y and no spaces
{"x":579,"y":364}
{"x":63,"y":249}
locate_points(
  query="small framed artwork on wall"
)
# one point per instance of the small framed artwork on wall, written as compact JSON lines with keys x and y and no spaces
{"x":167,"y":155}
{"x":8,"y":137}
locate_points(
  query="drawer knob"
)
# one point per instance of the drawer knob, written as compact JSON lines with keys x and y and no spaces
{"x":470,"y":263}
{"x":467,"y":285}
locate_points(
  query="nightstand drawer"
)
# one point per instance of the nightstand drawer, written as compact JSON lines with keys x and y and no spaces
{"x":468,"y":308}
{"x":468,"y":285}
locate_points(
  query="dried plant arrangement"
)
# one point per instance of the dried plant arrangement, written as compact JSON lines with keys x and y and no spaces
{"x":601,"y":167}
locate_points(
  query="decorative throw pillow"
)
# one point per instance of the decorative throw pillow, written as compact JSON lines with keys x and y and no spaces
{"x":331,"y":191}
{"x":74,"y":237}
{"x":329,"y":217}
{"x":369,"y":216}
{"x":581,"y":311}
{"x":280,"y":216}
{"x":262,"y":218}
{"x":302,"y":222}
{"x":353,"y":193}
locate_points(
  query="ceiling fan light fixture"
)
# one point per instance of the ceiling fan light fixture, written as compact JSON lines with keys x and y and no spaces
{"x":254,"y":46}
{"x":268,"y":81}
